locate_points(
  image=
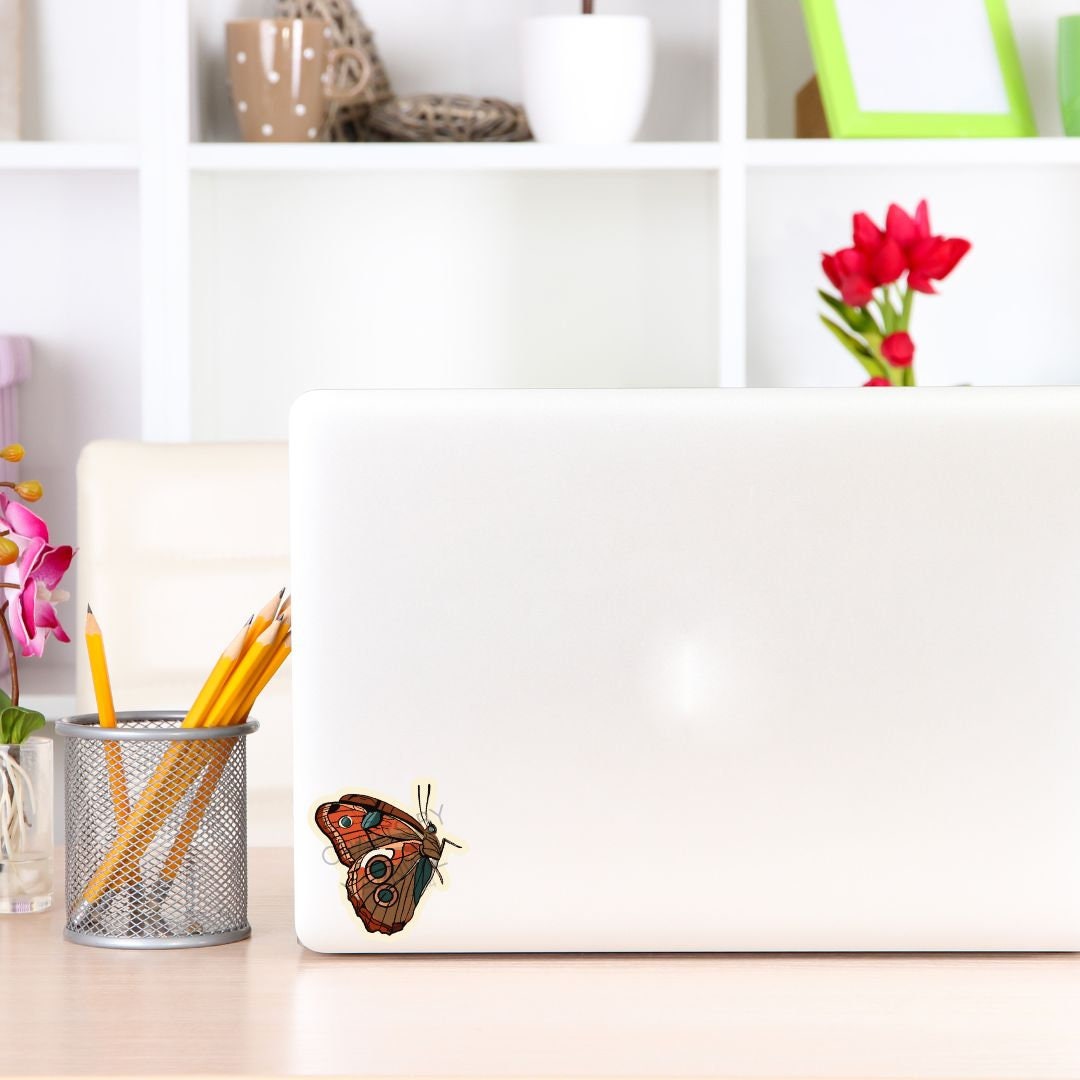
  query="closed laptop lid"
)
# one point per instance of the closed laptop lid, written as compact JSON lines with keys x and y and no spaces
{"x":687,"y":670}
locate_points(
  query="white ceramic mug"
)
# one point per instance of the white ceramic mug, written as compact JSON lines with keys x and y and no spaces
{"x":587,"y":78}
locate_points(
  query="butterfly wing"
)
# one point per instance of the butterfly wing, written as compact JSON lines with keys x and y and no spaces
{"x":356,"y":825}
{"x":385,"y":885}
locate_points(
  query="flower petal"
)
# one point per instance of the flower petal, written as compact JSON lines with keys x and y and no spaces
{"x":48,"y":620}
{"x":23,"y":521}
{"x":889,"y":263}
{"x":53,"y":565}
{"x":922,"y":219}
{"x":857,"y":291}
{"x":851,"y":262}
{"x":828,"y":264}
{"x":24,"y":626}
{"x":900,"y":227}
{"x":952,"y":252}
{"x":867,"y":236}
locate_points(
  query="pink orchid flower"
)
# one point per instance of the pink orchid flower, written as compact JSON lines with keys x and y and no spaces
{"x":37,"y":572}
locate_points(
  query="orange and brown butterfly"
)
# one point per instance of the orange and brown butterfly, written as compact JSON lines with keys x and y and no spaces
{"x":391,"y":856}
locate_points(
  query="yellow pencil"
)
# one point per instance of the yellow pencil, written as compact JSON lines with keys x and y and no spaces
{"x":179,"y":766}
{"x":244,"y":676}
{"x":246,"y":665}
{"x":263,"y":619}
{"x":281,"y":651}
{"x":218,"y":758}
{"x":114,"y":762}
{"x":208,"y":695}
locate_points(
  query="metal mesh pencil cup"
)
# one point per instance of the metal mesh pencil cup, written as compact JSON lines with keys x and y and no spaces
{"x":155,"y":831}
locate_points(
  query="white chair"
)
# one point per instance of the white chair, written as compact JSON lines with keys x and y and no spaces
{"x":178,"y":544}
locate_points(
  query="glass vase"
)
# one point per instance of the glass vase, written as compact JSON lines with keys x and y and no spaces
{"x":26,"y":835}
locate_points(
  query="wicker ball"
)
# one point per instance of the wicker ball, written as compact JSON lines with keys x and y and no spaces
{"x":447,"y":118}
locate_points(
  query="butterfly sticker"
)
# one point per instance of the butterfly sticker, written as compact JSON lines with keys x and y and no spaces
{"x":391,"y":856}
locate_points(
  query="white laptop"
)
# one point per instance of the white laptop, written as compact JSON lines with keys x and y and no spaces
{"x":687,"y":670}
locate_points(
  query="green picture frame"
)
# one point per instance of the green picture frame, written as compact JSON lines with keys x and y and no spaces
{"x":847,"y":120}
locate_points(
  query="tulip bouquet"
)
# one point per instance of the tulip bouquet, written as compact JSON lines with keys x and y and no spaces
{"x":877,"y":279}
{"x":31,"y":567}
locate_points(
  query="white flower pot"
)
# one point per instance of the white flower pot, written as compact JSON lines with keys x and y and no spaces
{"x":586,"y":78}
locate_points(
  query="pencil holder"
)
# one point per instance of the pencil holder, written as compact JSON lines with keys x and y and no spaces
{"x":156,"y":832}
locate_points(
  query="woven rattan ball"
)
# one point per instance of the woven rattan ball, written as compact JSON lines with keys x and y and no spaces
{"x":447,"y":118}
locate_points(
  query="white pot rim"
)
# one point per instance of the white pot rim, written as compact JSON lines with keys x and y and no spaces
{"x":580,"y":18}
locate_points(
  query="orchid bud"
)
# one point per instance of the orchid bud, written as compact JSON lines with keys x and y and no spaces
{"x":13,"y":453}
{"x":9,"y":551}
{"x":30,"y":490}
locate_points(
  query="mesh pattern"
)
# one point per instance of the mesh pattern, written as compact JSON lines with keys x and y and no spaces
{"x":179,"y":869}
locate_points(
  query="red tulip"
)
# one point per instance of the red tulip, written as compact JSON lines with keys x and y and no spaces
{"x":877,"y":380}
{"x":929,"y":258}
{"x":849,"y":271}
{"x":898,"y":349}
{"x":884,"y":255}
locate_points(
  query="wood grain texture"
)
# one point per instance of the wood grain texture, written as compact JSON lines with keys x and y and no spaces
{"x":268,"y":1007}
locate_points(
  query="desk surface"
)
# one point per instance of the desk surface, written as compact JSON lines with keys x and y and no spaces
{"x":266,"y":1006}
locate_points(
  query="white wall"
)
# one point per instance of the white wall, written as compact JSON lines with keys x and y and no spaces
{"x":70,"y":280}
{"x":1005,"y":316}
{"x":442,"y":279}
{"x":81,"y":70}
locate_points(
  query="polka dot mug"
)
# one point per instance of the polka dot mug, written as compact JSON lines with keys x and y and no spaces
{"x":283,"y":76}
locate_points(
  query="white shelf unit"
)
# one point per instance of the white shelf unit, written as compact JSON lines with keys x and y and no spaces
{"x":182,"y":285}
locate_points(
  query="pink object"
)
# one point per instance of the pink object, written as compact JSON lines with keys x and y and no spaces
{"x":14,"y":369}
{"x":38,"y":572}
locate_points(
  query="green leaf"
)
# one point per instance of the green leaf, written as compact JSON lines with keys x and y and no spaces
{"x":852,"y":344}
{"x":5,"y":701}
{"x":860,"y":351}
{"x":18,"y":724}
{"x":859,"y":319}
{"x":865,"y":356}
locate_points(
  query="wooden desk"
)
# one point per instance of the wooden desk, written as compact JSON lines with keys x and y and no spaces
{"x":266,"y":1006}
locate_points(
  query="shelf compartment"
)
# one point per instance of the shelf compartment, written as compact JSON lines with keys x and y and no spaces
{"x":472,"y":47}
{"x":443,"y":279}
{"x":1003,"y":318}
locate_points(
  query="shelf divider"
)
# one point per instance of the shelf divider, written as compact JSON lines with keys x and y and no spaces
{"x":164,"y":213}
{"x":732,"y":217}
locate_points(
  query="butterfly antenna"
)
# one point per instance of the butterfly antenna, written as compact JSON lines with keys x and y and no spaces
{"x":427,"y":801}
{"x":420,"y":805}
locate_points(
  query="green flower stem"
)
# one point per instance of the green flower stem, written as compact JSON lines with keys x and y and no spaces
{"x":905,"y":308}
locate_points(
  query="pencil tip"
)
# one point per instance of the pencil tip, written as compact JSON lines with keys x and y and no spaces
{"x":282,"y":593}
{"x":89,"y":610}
